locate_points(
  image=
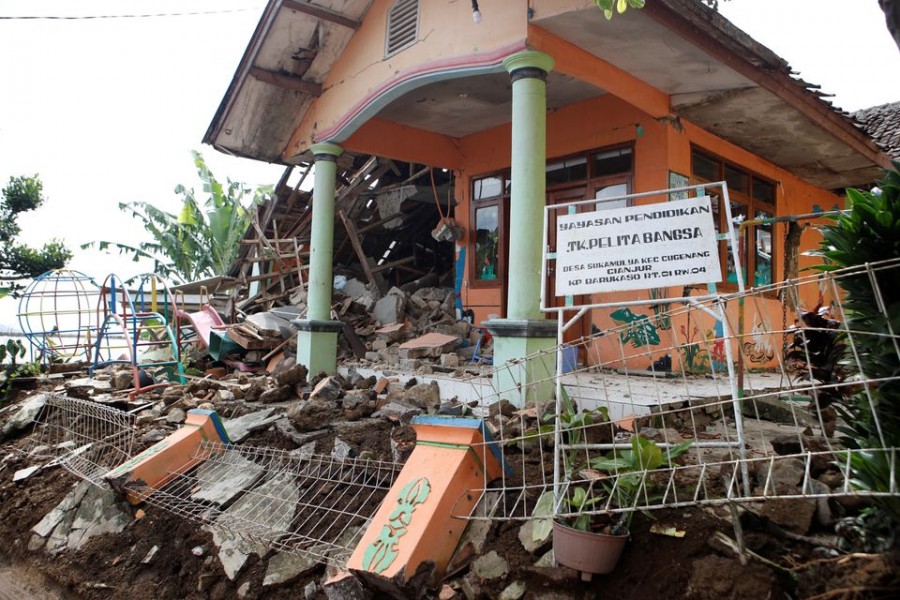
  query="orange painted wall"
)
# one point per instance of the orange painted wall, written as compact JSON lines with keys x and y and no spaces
{"x":447,"y":34}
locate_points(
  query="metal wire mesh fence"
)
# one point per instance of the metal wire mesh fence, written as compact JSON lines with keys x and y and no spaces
{"x":697,"y":402}
{"x":85,"y":438}
{"x":692,"y":402}
{"x":307,"y":504}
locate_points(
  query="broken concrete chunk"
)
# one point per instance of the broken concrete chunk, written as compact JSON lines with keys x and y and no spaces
{"x":342,"y":449}
{"x":23,"y":474}
{"x":25,"y":416}
{"x":221,"y":482}
{"x":277,"y":394}
{"x":490,"y":566}
{"x":430,"y":345}
{"x":285,"y":567}
{"x":309,"y":415}
{"x":122,"y":380}
{"x":357,"y":406}
{"x":149,"y":556}
{"x":87,"y":511}
{"x":394,"y":411}
{"x":354,"y":289}
{"x":269,"y":324}
{"x":176,"y":416}
{"x":238,"y":429}
{"x":328,"y":388}
{"x":513,"y":591}
{"x":292,"y":375}
{"x":256,"y":506}
{"x":426,"y":396}
{"x":390,"y":309}
{"x":345,"y":586}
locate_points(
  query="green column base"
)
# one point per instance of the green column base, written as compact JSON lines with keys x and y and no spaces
{"x":524,"y":360}
{"x":317,"y":345}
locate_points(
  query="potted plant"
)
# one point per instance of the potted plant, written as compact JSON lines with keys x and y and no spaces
{"x":588,"y":540}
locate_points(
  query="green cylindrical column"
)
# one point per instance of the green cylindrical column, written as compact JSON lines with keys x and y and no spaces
{"x":528,"y":71}
{"x":322,"y":238}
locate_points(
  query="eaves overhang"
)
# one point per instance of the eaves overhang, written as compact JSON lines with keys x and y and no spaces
{"x":294,"y":46}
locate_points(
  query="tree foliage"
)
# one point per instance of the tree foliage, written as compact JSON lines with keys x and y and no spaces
{"x":869,"y":232}
{"x":202,"y":240}
{"x":609,"y":7}
{"x":20,"y":261}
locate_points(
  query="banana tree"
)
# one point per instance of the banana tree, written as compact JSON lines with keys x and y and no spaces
{"x":203,"y":239}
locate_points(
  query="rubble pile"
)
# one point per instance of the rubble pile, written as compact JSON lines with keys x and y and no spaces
{"x":416,"y":332}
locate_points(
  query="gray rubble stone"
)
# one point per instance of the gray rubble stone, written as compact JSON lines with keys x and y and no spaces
{"x":513,"y":591}
{"x":354,"y":288}
{"x":223,"y":395}
{"x":547,"y":560}
{"x":176,"y":416}
{"x":342,"y":450}
{"x":293,"y":375}
{"x":328,"y":388}
{"x":25,"y":415}
{"x":122,"y":380}
{"x":526,"y":537}
{"x":256,"y":507}
{"x":87,"y":511}
{"x":394,"y":411}
{"x":390,"y":309}
{"x":345,"y":586}
{"x":238,"y":429}
{"x":271,"y":325}
{"x":786,"y":475}
{"x":284,"y":567}
{"x":310,"y":590}
{"x":222,"y":482}
{"x":426,"y":396}
{"x":490,"y":566}
{"x":309,"y":415}
{"x":153,"y":436}
{"x":243,"y":590}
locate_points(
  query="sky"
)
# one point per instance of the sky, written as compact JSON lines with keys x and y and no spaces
{"x":108,"y":110}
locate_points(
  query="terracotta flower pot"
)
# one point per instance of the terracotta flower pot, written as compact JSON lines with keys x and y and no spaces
{"x":587,"y":552}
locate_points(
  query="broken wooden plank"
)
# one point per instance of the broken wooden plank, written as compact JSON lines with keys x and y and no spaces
{"x":357,"y":247}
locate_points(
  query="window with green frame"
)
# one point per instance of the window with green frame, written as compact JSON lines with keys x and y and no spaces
{"x":752,"y":197}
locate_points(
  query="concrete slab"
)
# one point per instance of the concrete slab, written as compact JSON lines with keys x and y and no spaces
{"x":220,"y":482}
{"x":238,"y":429}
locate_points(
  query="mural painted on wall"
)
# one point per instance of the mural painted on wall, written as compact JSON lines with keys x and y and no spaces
{"x":641,"y":330}
{"x":760,"y":349}
{"x":702,"y":351}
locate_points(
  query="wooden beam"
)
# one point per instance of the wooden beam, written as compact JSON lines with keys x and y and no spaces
{"x":287,"y":81}
{"x":321,"y":13}
{"x":357,"y":247}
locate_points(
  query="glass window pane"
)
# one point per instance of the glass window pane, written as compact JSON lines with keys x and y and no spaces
{"x":611,"y":162}
{"x":704,"y":167}
{"x":738,"y":216}
{"x":487,"y":187}
{"x":487,"y":242}
{"x":763,"y":273}
{"x":737,"y":180}
{"x":611,"y":191}
{"x":565,"y":171}
{"x":764,"y":191}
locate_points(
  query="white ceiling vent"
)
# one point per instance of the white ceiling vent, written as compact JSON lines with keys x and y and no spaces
{"x":402,"y":26}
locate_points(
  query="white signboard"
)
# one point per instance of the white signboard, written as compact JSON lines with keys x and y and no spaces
{"x":637,"y":247}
